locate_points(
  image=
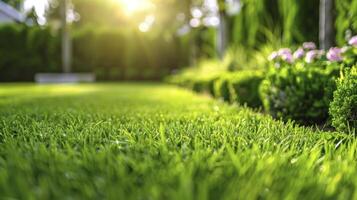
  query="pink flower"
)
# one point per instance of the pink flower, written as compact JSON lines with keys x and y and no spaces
{"x":334,"y":54}
{"x":273,"y":56}
{"x":311,"y":55}
{"x":299,"y":53}
{"x":286,"y":55}
{"x":309,"y":45}
{"x":284,"y":51}
{"x":353,"y":41}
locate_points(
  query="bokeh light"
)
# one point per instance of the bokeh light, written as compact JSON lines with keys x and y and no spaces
{"x":131,"y":7}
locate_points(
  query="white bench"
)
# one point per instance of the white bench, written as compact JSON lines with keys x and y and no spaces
{"x":43,"y":78}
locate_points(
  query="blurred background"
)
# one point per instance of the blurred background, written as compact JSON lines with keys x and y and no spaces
{"x":150,"y":39}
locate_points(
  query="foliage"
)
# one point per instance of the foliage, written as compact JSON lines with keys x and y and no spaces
{"x":14,"y":3}
{"x":346,"y":20}
{"x":118,"y":54}
{"x":300,"y":20}
{"x":289,"y":14}
{"x":200,"y":78}
{"x":198,"y":84}
{"x":293,"y":21}
{"x":244,"y":87}
{"x":204,"y":42}
{"x":113,"y":54}
{"x":300,"y":84}
{"x":299,"y":91}
{"x":148,"y":141}
{"x":25,"y":51}
{"x":113,"y":14}
{"x":239,"y":58}
{"x":343,"y":109}
{"x":221,"y":87}
{"x":240,"y":87}
{"x":216,"y":77}
{"x":248,"y":24}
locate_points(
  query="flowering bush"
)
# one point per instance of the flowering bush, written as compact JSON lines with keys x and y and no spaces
{"x":349,"y":53}
{"x":300,"y":84}
{"x":334,"y":54}
{"x":300,"y":92}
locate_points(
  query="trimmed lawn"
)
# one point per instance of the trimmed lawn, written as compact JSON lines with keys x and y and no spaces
{"x":152,"y":141}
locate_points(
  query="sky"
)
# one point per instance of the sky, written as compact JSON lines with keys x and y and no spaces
{"x":40,"y":7}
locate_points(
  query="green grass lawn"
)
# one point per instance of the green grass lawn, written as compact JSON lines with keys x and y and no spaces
{"x":150,"y":141}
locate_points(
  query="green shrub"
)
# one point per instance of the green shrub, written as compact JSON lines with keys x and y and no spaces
{"x":211,"y":84}
{"x":198,"y":84}
{"x":244,"y":87}
{"x":200,"y":78}
{"x":204,"y":85}
{"x":178,"y":80}
{"x":221,"y":87}
{"x":300,"y":92}
{"x":343,"y":109}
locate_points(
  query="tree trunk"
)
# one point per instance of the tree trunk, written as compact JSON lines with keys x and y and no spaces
{"x":222,"y":34}
{"x":326,"y":34}
{"x":66,"y":39}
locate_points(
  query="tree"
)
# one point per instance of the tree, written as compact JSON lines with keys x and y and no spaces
{"x":326,"y":34}
{"x":222,"y":29}
{"x":15,"y":3}
{"x":66,"y":38}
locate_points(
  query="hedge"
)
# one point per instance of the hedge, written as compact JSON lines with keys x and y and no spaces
{"x":112,"y":54}
{"x":244,"y":88}
{"x":221,"y":87}
{"x":25,"y":51}
{"x":240,"y":87}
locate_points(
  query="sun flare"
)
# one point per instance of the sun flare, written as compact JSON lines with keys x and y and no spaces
{"x":133,"y":6}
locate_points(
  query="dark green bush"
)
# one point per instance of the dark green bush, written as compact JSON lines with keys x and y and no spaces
{"x":211,"y":84}
{"x":300,"y":92}
{"x":100,"y":51}
{"x":221,"y":87}
{"x":122,"y":54}
{"x":343,"y":109}
{"x":241,"y":87}
{"x":112,"y":54}
{"x":25,"y":51}
{"x":244,"y":87}
{"x":204,"y":85}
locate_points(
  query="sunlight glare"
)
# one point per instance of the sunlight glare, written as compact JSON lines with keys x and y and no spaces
{"x":133,"y":6}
